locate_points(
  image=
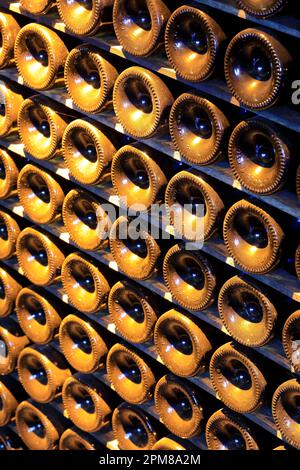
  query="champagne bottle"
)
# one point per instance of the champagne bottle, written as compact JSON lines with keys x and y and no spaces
{"x":226,"y":430}
{"x":41,"y":126}
{"x":85,"y":285}
{"x":189,"y":278}
{"x":141,"y":102}
{"x":87,"y":151}
{"x":85,"y":220}
{"x":38,"y":317}
{"x":89,"y":78}
{"x":246,"y":312}
{"x":291,"y":339}
{"x":40,"y":426}
{"x":87,"y":402}
{"x":136,"y":177}
{"x":186,"y":194}
{"x":9,"y":232}
{"x":85,"y":18}
{"x":40,"y":194}
{"x":139,"y":25}
{"x":10,"y":103}
{"x":81,"y":344}
{"x":181,"y":344}
{"x":167,"y":443}
{"x":9,"y":288}
{"x":236,"y":379}
{"x":9,"y":28}
{"x":133,"y":429}
{"x":74,"y":439}
{"x":40,"y":56}
{"x":135,"y":257}
{"x":133,"y":311}
{"x":11,"y":393}
{"x":285,"y":410}
{"x":252,"y":237}
{"x":39,"y":257}
{"x":42,"y":372}
{"x":130,"y":376}
{"x":179,"y":406}
{"x":198,"y":129}
{"x":262,"y":9}
{"x":256,"y":68}
{"x":297,"y":261}
{"x":258,"y":156}
{"x":37,"y":7}
{"x":12,"y":342}
{"x":193,"y":40}
{"x":8,"y":172}
{"x":9,"y":440}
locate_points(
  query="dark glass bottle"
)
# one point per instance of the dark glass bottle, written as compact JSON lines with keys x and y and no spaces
{"x":263,"y":8}
{"x":10,"y":103}
{"x":9,"y":288}
{"x":8,"y":173}
{"x":291,"y":340}
{"x":11,"y":393}
{"x":9,"y":232}
{"x":12,"y":342}
{"x":9,"y":29}
{"x":285,"y":410}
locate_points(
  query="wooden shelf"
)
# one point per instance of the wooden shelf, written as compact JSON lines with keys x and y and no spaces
{"x":279,"y":114}
{"x":284,"y":200}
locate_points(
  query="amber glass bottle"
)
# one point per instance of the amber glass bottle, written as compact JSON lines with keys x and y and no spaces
{"x":40,"y":194}
{"x":189,"y":277}
{"x":11,"y":393}
{"x":9,"y":232}
{"x":37,"y":7}
{"x":10,"y":103}
{"x":252,"y":237}
{"x":139,"y":25}
{"x":13,"y":341}
{"x":39,"y":426}
{"x":89,"y":78}
{"x":181,"y":344}
{"x":136,"y":257}
{"x":179,"y":406}
{"x":9,"y":29}
{"x":193,"y":206}
{"x":8,"y":173}
{"x":236,"y":379}
{"x":133,"y":429}
{"x":226,"y":430}
{"x":9,"y":440}
{"x":192,"y":40}
{"x":246,"y":312}
{"x":133,"y":311}
{"x":137,"y":178}
{"x":141,"y":102}
{"x":40,"y":56}
{"x":9,"y":288}
{"x":129,"y":374}
{"x":86,"y":287}
{"x":41,"y":126}
{"x":197,"y":129}
{"x":285,"y":410}
{"x":263,"y":8}
{"x":81,"y":344}
{"x":258,"y":156}
{"x":87,"y":401}
{"x":42,"y":372}
{"x":291,"y":339}
{"x":87,"y":151}
{"x":85,"y":18}
{"x":39,"y":257}
{"x":256,"y":68}
{"x":74,"y":439}
{"x":85,"y":220}
{"x":37,"y":316}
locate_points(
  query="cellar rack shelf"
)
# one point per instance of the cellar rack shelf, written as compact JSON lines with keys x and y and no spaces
{"x":284,"y":200}
{"x":272,"y":351}
{"x":278,"y":279}
{"x":262,"y":417}
{"x":279,"y":114}
{"x":284,"y":24}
